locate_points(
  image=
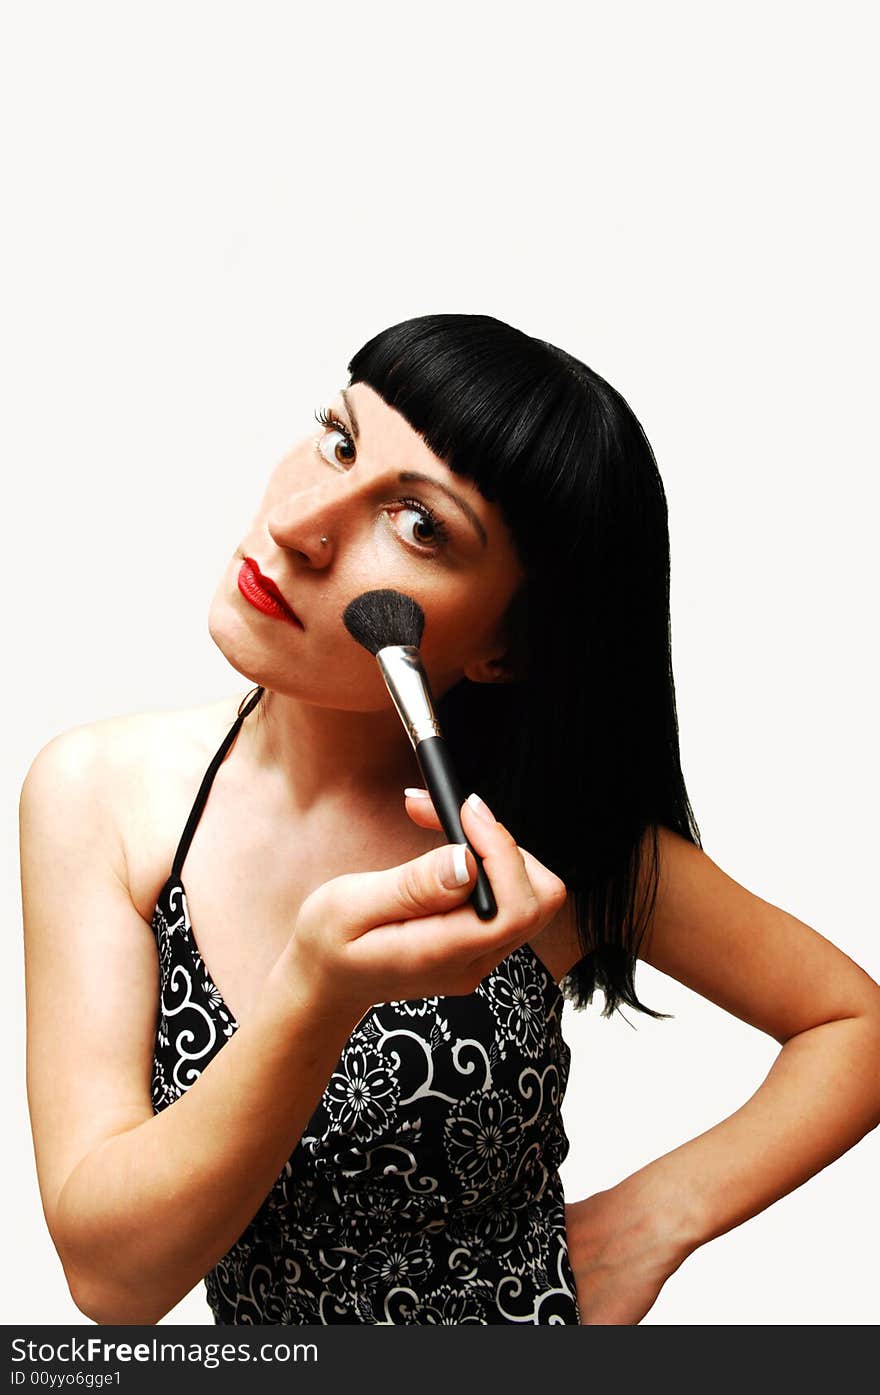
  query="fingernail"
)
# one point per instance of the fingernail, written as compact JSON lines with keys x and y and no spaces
{"x":480,"y":807}
{"x":417,"y":794}
{"x":455,"y":869}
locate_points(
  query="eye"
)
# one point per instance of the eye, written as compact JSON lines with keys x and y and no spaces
{"x":334,"y":427}
{"x":424,"y":516}
{"x":343,"y":454}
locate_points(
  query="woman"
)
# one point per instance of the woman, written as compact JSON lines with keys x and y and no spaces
{"x":341,"y":1104}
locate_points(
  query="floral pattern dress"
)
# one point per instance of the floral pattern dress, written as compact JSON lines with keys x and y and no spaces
{"x":425,"y":1188}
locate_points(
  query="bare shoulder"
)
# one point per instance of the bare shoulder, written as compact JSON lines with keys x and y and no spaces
{"x":131,"y":732}
{"x":99,"y":773}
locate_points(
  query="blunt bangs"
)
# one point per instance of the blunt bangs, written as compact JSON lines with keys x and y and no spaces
{"x":493,"y":405}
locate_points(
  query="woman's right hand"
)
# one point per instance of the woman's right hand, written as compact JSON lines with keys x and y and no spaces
{"x":409,"y":932}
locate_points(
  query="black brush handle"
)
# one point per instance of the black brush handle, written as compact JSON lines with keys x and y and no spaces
{"x":438,"y":774}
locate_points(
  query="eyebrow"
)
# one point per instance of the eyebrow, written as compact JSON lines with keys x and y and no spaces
{"x":348,"y":407}
{"x":407,"y":475}
{"x":451,"y":494}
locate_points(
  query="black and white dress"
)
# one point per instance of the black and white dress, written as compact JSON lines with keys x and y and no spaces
{"x":425,"y":1187}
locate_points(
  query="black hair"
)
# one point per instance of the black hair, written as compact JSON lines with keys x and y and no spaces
{"x":579,"y":754}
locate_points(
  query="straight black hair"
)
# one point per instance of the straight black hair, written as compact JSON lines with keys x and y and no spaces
{"x":579,"y":754}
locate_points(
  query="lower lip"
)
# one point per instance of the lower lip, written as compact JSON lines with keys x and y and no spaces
{"x":250,"y":588}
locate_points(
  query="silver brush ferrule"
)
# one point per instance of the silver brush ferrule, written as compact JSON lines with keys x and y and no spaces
{"x":407,"y":682}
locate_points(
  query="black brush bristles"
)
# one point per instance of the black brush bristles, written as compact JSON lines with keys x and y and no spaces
{"x":379,"y":618}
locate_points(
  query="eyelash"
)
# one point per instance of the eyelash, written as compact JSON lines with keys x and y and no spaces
{"x":331,"y":422}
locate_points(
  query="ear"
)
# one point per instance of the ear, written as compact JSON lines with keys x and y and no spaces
{"x":509,"y":663}
{"x":492,"y":670}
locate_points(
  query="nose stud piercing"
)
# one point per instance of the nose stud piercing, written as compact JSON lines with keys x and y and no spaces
{"x":324,"y":540}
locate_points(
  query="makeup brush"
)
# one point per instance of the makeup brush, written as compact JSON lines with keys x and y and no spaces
{"x":390,"y":625}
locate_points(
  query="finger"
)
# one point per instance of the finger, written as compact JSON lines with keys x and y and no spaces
{"x":434,"y":882}
{"x":437,"y":942}
{"x":503,"y":863}
{"x":420,"y":808}
{"x":547,"y":886}
{"x":535,"y":892}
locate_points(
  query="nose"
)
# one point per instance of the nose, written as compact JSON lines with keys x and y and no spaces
{"x":307,"y":523}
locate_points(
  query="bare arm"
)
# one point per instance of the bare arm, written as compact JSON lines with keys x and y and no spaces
{"x":822,"y":1094}
{"x":148,"y":1212}
{"x":139,"y":1206}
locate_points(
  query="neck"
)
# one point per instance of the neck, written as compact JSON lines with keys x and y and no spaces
{"x":326,"y":755}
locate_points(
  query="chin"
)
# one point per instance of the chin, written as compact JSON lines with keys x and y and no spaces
{"x":272,"y":670}
{"x":234,"y":646}
{"x":244,"y":650}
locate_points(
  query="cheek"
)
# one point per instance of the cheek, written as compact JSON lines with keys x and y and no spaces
{"x":464,"y":618}
{"x":455,"y":621}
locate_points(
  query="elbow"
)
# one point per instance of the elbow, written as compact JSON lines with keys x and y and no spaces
{"x":85,"y":1294}
{"x":108,"y":1305}
{"x":91,"y":1304}
{"x":108,"y":1298}
{"x":113,"y":1309}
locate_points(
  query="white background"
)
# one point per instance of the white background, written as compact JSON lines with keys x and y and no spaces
{"x":209,"y":207}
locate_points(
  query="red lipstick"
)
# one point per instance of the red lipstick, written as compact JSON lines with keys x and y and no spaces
{"x":263,"y":594}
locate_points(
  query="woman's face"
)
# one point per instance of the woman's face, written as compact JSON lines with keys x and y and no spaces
{"x":344,"y":482}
